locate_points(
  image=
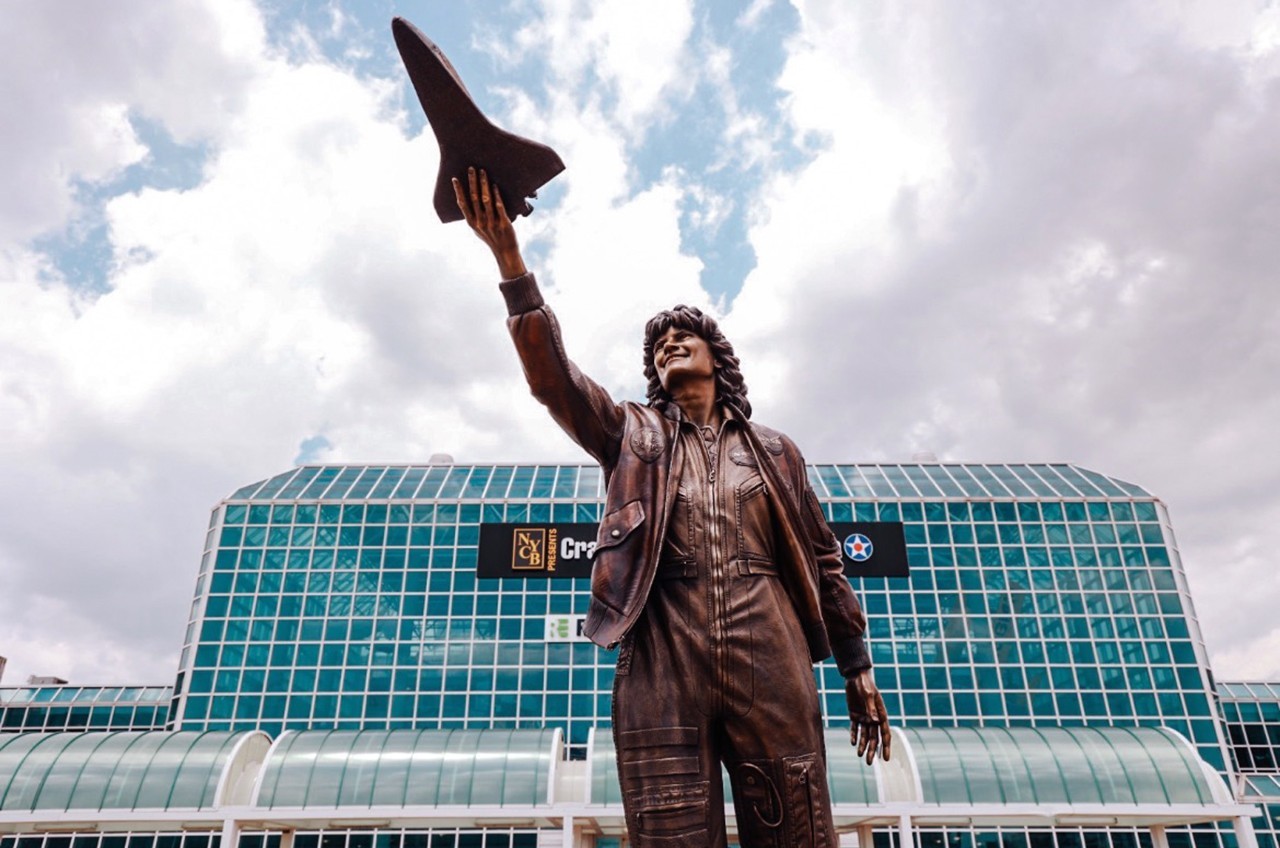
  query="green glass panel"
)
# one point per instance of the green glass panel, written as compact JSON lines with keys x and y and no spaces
{"x":849,"y":779}
{"x":95,"y":776}
{"x":360,"y":769}
{"x":32,"y":765}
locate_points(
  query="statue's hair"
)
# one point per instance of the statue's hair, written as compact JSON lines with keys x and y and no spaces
{"x":730,"y":387}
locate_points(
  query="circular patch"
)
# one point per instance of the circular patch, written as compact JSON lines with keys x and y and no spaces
{"x":743,"y":456}
{"x":857,"y":547}
{"x":647,"y":443}
{"x":773,"y":446}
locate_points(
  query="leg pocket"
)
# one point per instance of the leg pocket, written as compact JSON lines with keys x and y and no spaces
{"x":671,"y":816}
{"x":758,"y":804}
{"x":809,"y":806}
{"x":664,"y":795}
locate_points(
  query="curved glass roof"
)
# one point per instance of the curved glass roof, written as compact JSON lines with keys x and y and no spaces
{"x":938,"y":480}
{"x":113,"y":771}
{"x":406,"y":768}
{"x":1071,"y":765}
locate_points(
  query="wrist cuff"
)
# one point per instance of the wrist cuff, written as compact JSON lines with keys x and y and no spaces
{"x":852,"y":656}
{"x":521,"y":294}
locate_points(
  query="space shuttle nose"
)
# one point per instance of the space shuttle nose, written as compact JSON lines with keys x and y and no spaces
{"x":466,"y":137}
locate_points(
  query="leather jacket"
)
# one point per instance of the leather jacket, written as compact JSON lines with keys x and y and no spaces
{"x":637,"y":448}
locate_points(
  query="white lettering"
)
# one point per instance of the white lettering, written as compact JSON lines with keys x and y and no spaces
{"x":571,"y":548}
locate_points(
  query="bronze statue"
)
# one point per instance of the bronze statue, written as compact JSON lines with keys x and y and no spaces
{"x":715,"y":576}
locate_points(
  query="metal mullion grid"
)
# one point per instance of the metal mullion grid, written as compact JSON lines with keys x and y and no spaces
{"x":593,"y":475}
{"x":973,"y":665}
{"x":299,"y":482}
{"x":881,"y":488}
{"x":1102,"y":483}
{"x":989,"y":481}
{"x":1035,"y":479}
{"x":448,"y":835}
{"x":409,"y":483}
{"x":490,"y":492}
{"x":855,"y":482}
{"x":1053,"y":475}
{"x":1010,"y":480}
{"x":365,"y":483}
{"x":271,"y":489}
{"x":920,"y":481}
{"x":1040,"y":489}
{"x":1089,"y":636}
{"x":899,"y":489}
{"x":968,"y":483}
{"x":341,"y":482}
{"x":943,"y":479}
{"x":387,"y":483}
{"x":320,"y":483}
{"x":1087,"y":489}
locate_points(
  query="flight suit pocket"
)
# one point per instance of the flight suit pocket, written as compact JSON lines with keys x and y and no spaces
{"x":671,"y":816}
{"x":618,"y":525}
{"x":616,"y":528}
{"x":759,"y":805}
{"x":667,"y":804}
{"x":754,"y":521}
{"x":807,"y":801}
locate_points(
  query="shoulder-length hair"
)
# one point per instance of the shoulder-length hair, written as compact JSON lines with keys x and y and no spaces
{"x":730,"y":387}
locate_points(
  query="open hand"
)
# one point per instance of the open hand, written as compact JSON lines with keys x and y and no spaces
{"x":870,"y":731}
{"x":481,"y":206}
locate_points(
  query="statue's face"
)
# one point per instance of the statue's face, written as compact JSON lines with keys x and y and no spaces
{"x":682,"y":355}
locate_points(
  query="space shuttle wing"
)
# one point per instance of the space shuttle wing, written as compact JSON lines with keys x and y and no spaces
{"x":466,"y":137}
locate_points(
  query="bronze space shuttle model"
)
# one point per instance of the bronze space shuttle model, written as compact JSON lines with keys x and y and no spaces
{"x":466,"y":137}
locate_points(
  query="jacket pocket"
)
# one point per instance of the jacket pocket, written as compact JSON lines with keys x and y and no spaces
{"x":618,"y":525}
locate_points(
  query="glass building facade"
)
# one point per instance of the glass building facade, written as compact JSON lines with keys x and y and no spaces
{"x":54,"y":708}
{"x":346,"y":598}
{"x":1251,"y":712}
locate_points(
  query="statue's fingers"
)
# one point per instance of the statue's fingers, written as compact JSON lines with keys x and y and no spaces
{"x":475,"y":191}
{"x":864,"y":739}
{"x":485,"y":198}
{"x":497,"y":202}
{"x":463,"y":206}
{"x":873,"y":743}
{"x":886,"y":741}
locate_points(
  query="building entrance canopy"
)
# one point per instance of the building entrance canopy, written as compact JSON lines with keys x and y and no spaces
{"x":376,"y":778}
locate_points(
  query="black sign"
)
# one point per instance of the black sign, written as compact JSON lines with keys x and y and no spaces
{"x":536,"y":550}
{"x":871,"y":549}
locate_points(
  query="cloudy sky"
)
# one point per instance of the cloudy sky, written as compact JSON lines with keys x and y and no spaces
{"x":992,"y":231}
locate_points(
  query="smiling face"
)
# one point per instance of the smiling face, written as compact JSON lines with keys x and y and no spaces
{"x":679,"y":355}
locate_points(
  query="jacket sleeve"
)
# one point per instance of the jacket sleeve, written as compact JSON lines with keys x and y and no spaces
{"x":577,"y":403}
{"x":841,"y":612}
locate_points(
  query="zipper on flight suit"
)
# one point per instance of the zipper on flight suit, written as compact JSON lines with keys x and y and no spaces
{"x":715,"y":567}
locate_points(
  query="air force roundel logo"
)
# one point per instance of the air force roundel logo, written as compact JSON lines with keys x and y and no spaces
{"x":857,"y":547}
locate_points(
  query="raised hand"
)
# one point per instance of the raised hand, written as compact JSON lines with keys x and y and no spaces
{"x":870,"y":730}
{"x":481,"y":207}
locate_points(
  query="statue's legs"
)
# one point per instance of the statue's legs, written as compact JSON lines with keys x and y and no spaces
{"x":689,"y":696}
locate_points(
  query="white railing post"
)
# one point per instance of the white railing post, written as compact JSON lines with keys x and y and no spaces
{"x":907,"y":837}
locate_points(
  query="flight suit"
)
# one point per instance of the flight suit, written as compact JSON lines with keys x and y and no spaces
{"x":717,"y":669}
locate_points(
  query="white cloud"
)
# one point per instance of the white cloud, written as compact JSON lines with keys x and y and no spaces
{"x":1031,"y":237}
{"x":634,"y":52}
